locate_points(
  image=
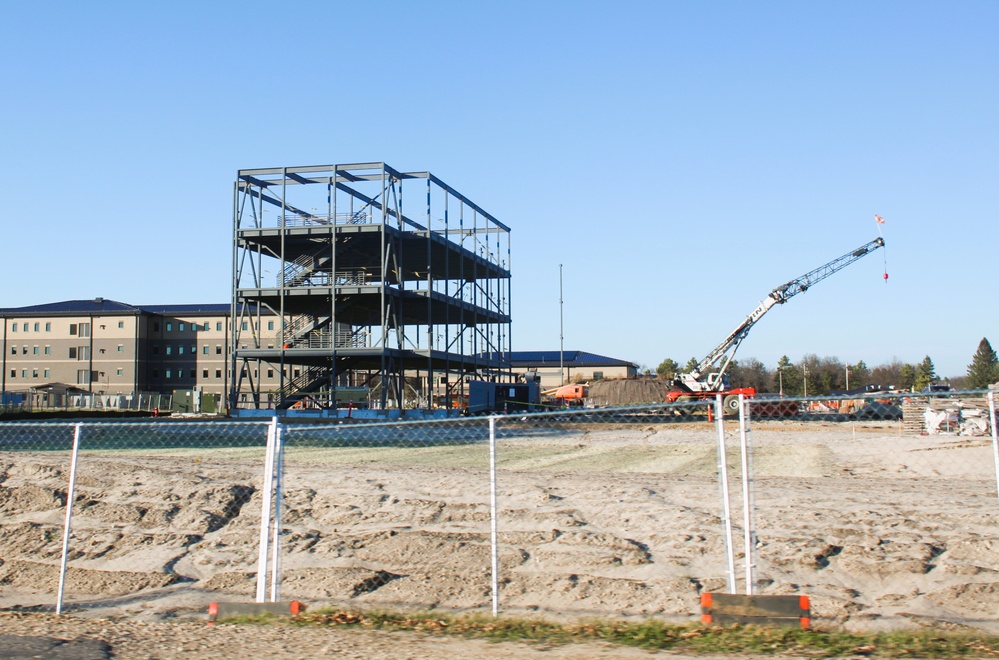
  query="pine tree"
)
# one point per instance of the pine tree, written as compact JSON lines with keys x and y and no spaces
{"x":984,"y":367}
{"x":667,"y":368}
{"x":926,"y":373}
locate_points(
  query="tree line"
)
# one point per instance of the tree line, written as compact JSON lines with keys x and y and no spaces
{"x":814,"y":375}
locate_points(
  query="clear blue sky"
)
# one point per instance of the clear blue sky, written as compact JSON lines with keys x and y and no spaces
{"x":679,"y":159}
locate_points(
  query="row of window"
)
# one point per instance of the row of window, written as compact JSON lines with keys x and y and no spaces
{"x":74,"y":351}
{"x":81,"y":329}
{"x":46,"y":373}
{"x":205,"y":350}
{"x":204,"y":327}
{"x":182,"y":326}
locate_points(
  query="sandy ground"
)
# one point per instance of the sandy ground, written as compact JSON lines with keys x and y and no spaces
{"x":879,"y":529}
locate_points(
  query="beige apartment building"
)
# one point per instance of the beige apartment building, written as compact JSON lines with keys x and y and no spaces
{"x":106,"y":347}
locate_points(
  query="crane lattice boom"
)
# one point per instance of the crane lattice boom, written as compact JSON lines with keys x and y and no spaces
{"x":780,"y":295}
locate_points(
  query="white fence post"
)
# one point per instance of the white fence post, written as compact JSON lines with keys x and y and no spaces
{"x":494,"y":533}
{"x":748,"y":532}
{"x":995,"y":435}
{"x":276,"y":540}
{"x":70,"y":496}
{"x":726,"y":502}
{"x":265,"y":511}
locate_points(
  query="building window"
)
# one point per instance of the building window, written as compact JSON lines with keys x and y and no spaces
{"x":598,"y":375}
{"x":82,"y":376}
{"x":204,"y":349}
{"x":13,"y":350}
{"x":121,"y":324}
{"x":204,"y":373}
{"x":218,"y":326}
{"x":245,"y":326}
{"x":156,"y":373}
{"x":48,"y":350}
{"x":270,"y":373}
{"x":72,"y":328}
{"x":36,"y":327}
{"x":24,"y":350}
{"x":168,"y":374}
{"x":24,"y":373}
{"x":218,"y":349}
{"x":34,"y":350}
{"x":156,"y":327}
{"x":180,"y":373}
{"x":13,"y":373}
{"x":218,"y":373}
{"x":34,"y":373}
{"x":156,"y":350}
{"x":169,"y":328}
{"x":180,"y":350}
{"x":120,"y":372}
{"x":270,"y":325}
{"x":13,"y":328}
{"x":72,"y":352}
{"x":207,"y":326}
{"x":83,"y":353}
{"x":84,"y":329}
{"x":45,"y":374}
{"x":169,"y":349}
{"x":25,"y":327}
{"x":194,"y":350}
{"x":48,"y":327}
{"x":180,"y":327}
{"x":121,"y":348}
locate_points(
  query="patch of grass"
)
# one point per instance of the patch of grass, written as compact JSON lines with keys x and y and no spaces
{"x":651,"y":634}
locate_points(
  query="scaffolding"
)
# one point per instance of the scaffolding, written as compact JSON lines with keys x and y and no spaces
{"x":338,"y":285}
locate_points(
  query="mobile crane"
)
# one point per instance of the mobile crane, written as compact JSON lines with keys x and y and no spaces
{"x":694,"y":385}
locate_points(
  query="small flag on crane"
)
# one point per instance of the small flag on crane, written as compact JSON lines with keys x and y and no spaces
{"x":878,"y":219}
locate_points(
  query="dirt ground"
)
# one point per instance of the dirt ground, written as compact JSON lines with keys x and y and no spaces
{"x":879,"y":529}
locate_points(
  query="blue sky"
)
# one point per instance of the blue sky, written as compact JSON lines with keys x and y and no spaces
{"x":678,"y":159}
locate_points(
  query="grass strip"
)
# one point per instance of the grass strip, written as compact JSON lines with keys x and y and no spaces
{"x":691,"y":639}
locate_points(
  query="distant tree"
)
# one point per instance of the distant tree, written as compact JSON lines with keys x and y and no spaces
{"x":779,"y":382}
{"x":906,"y":377}
{"x":860,"y":376}
{"x":667,"y":369}
{"x":888,"y":374}
{"x":691,"y":365}
{"x":750,"y":373}
{"x":926,"y":373}
{"x":984,"y":368}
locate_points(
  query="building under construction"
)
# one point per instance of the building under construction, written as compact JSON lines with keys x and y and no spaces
{"x":360,"y":278}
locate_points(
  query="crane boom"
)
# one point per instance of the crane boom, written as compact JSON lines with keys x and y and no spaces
{"x":780,"y":295}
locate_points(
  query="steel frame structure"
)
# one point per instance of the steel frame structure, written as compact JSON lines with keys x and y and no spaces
{"x":365,"y":291}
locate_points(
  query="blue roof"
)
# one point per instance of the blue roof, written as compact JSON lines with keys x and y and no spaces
{"x":74,"y":307}
{"x":107,"y":306}
{"x":567,"y":358}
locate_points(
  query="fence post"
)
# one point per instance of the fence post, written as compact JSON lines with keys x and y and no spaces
{"x":493,"y":531}
{"x":265,"y":511}
{"x":278,"y":479}
{"x":995,"y":435}
{"x":70,"y":496}
{"x":749,"y":533}
{"x":726,"y":503}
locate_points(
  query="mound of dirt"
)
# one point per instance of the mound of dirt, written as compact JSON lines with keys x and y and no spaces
{"x":627,"y":392}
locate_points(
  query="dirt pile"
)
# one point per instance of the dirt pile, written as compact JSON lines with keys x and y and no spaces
{"x":628,"y":392}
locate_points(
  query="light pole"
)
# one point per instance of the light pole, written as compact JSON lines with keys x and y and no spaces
{"x":847,"y":367}
{"x":561,"y":346}
{"x":804,"y":374}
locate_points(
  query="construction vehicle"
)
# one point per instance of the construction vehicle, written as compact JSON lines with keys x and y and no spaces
{"x":567,"y":395}
{"x":706,"y":382}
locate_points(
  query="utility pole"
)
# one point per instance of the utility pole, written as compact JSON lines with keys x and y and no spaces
{"x":561,"y":338}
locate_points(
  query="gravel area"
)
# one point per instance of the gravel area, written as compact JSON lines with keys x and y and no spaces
{"x":30,"y":635}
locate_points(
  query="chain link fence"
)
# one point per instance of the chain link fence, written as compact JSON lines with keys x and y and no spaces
{"x":883,"y":509}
